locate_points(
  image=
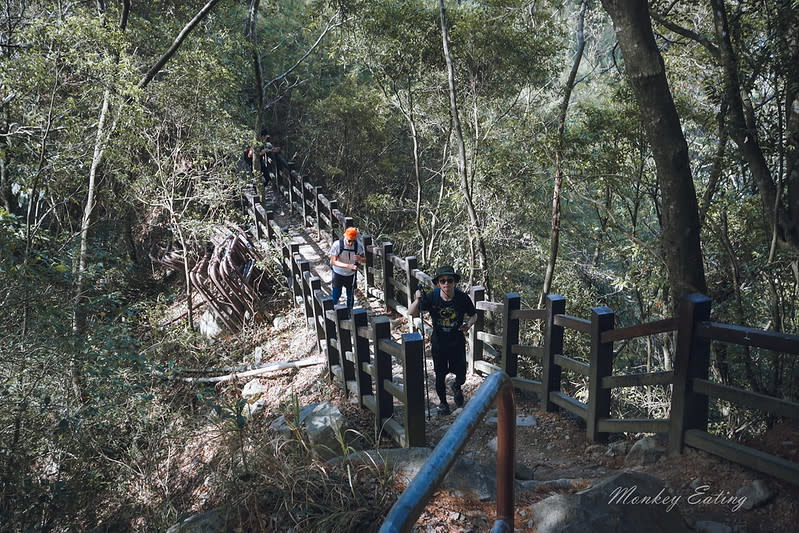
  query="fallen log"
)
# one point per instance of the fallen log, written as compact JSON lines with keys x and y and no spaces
{"x":264,"y":369}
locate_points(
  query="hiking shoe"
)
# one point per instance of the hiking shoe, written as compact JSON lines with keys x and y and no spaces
{"x":457,"y":395}
{"x":443,"y":408}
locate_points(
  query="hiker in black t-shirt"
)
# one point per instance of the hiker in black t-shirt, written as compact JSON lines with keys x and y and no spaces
{"x":452,"y":313}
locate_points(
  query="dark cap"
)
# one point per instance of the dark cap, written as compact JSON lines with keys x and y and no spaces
{"x":446,"y":270}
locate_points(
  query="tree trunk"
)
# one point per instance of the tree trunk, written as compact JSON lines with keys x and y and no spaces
{"x":743,"y":129}
{"x":680,"y":215}
{"x":476,"y":230}
{"x":252,"y":36}
{"x":554,"y":236}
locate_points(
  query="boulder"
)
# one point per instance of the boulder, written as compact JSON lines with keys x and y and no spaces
{"x":213,"y":521}
{"x":755,"y":494}
{"x":643,"y":452}
{"x":322,"y":423}
{"x":623,"y":503}
{"x":209,"y":325}
{"x":253,"y":389}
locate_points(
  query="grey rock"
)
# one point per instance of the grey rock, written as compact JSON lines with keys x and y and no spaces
{"x":213,"y":521}
{"x":279,"y":322}
{"x":596,"y":449}
{"x":757,"y":493}
{"x":707,"y":526}
{"x":643,"y":452}
{"x":253,"y":389}
{"x":209,"y":325}
{"x":322,"y":422}
{"x":617,"y":448}
{"x":611,"y":506}
{"x":524,"y":472}
{"x":521,"y":421}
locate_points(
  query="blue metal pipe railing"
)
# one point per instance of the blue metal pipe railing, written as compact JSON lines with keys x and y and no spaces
{"x":412,"y":501}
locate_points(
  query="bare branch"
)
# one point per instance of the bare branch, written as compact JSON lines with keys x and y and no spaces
{"x":176,"y":44}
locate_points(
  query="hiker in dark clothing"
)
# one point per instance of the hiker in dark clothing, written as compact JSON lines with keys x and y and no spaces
{"x":452,"y":313}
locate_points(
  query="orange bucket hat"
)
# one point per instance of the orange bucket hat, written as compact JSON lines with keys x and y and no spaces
{"x":351,"y":233}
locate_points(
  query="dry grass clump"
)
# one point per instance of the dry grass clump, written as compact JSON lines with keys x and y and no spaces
{"x":285,"y":486}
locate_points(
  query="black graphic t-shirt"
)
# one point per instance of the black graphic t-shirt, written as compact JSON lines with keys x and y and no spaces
{"x":447,"y":316}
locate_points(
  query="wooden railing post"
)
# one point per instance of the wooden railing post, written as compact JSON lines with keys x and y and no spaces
{"x":344,"y":346}
{"x":475,"y":352}
{"x":318,"y":312}
{"x":305,"y":267}
{"x":413,"y":363}
{"x":290,"y":189}
{"x":304,"y":196}
{"x":510,"y":333}
{"x":255,"y":202}
{"x":330,"y":349}
{"x":318,"y":210}
{"x":369,"y":267}
{"x":553,"y":345}
{"x":413,"y":283}
{"x":334,"y":235}
{"x":384,"y":401}
{"x":689,"y":410}
{"x":388,"y":274}
{"x":270,"y":231}
{"x":285,"y":250}
{"x":360,"y":346}
{"x":602,"y":319}
{"x":296,"y":290}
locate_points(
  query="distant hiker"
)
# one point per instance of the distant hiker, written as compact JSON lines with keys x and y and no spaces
{"x":452,"y":313}
{"x":245,"y":162}
{"x":263,"y":156}
{"x":345,"y":254}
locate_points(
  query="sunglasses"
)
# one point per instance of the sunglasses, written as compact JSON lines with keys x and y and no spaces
{"x":446,"y":280}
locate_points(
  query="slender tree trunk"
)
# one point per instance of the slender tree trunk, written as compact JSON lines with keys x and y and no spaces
{"x":554,"y":235}
{"x":476,"y":230}
{"x":418,"y":177}
{"x":250,"y":32}
{"x":680,"y":215}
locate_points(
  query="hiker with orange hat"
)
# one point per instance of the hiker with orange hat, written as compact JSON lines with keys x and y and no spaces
{"x":345,"y":254}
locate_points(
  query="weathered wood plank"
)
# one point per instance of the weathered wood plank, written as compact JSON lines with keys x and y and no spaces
{"x":637,"y":380}
{"x":770,"y":340}
{"x":526,"y":349}
{"x":640,"y":330}
{"x":572,"y":405}
{"x":493,"y":307}
{"x":572,"y":364}
{"x":490,"y":338}
{"x":633,"y":425}
{"x":529,"y":314}
{"x":572,"y":322}
{"x":754,"y":459}
{"x":529,"y":385}
{"x":486,"y":367}
{"x":747,"y":398}
{"x":397,"y":391}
